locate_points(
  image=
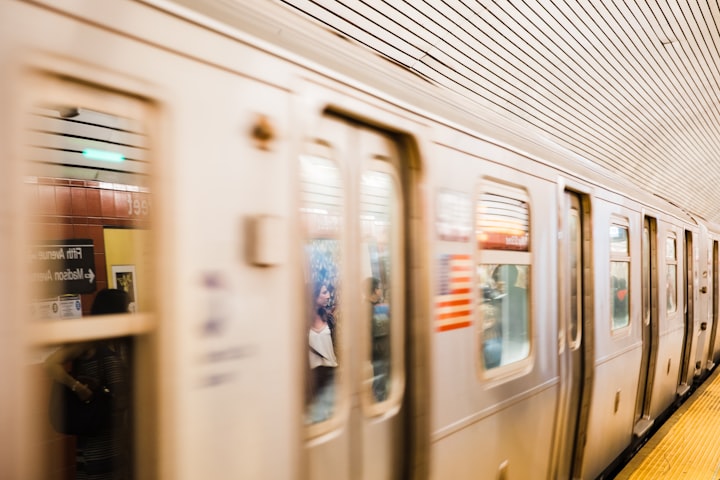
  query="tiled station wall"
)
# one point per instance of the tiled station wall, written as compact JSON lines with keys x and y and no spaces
{"x":66,"y":209}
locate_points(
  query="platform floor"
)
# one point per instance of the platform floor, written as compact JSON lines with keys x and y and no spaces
{"x":687,"y":446}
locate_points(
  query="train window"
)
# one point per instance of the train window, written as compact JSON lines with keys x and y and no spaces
{"x":575,"y":281}
{"x":321,"y":214}
{"x":503,"y":275}
{"x":379,"y":233}
{"x":88,"y":217}
{"x":646,"y":271}
{"x":620,"y":276}
{"x":671,"y":278}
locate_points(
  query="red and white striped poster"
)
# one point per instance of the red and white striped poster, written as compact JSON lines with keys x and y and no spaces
{"x":453,"y":298}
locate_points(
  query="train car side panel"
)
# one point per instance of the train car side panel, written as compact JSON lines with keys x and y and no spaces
{"x":474,"y":409}
{"x":617,"y":331}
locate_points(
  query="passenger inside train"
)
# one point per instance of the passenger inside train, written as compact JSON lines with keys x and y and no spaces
{"x":97,"y":411}
{"x":504,"y":309}
{"x":323,"y":359}
{"x":379,"y":315}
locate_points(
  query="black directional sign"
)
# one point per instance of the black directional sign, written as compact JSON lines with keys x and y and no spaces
{"x":58,"y":267}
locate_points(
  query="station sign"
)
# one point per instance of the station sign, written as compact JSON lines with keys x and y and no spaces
{"x":60,"y":267}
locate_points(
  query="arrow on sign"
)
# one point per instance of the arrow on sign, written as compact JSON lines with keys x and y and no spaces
{"x":90,"y":275}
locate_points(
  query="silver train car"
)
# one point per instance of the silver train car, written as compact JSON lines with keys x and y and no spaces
{"x":335,"y":270}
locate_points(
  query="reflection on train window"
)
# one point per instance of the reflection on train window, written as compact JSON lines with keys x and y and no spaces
{"x":379,"y":232}
{"x":89,"y":218}
{"x":504,"y":312}
{"x":575,"y":281}
{"x":503,"y":232}
{"x":619,"y":276}
{"x":321,"y":215}
{"x":646,"y":272}
{"x":671,"y":279}
{"x":92,"y":376}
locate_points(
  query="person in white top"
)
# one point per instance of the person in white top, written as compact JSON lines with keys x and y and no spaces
{"x":322,"y":358}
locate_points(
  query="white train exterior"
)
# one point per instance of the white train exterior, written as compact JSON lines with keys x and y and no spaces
{"x":261,"y":152}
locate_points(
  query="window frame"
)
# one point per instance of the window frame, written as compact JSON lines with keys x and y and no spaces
{"x":371,"y":407}
{"x":626,"y":258}
{"x":482,"y":256}
{"x":672,"y":261}
{"x":63,"y":86}
{"x":341,"y":402}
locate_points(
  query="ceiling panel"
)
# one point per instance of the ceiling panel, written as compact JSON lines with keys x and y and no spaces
{"x":631,"y":85}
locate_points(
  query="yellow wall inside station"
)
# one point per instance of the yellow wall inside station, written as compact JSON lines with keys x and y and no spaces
{"x":126,"y":262}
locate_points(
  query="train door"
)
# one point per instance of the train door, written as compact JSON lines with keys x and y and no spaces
{"x":686,"y":369}
{"x":713,"y":304}
{"x":89,"y":302}
{"x":649,"y":326}
{"x":575,"y":341}
{"x":352,"y":215}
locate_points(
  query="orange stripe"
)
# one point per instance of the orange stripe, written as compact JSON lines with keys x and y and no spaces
{"x":453,"y":326}
{"x":453,"y":303}
{"x":459,"y":279}
{"x":455,"y":291}
{"x":460,"y":268}
{"x":460,"y":313}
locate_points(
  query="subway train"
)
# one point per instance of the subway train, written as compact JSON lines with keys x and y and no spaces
{"x":335,"y":269}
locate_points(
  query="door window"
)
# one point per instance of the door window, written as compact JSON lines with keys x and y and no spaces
{"x":380,"y":229}
{"x":321,"y":209}
{"x":671,"y":276}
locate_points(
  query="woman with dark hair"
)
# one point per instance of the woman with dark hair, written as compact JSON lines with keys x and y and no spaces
{"x":95,"y":370}
{"x":322,"y":357}
{"x":110,"y":300}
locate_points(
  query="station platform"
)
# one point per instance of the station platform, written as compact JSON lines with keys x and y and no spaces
{"x":687,"y":446}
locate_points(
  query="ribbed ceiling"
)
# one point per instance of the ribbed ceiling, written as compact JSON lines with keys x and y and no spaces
{"x":631,"y":85}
